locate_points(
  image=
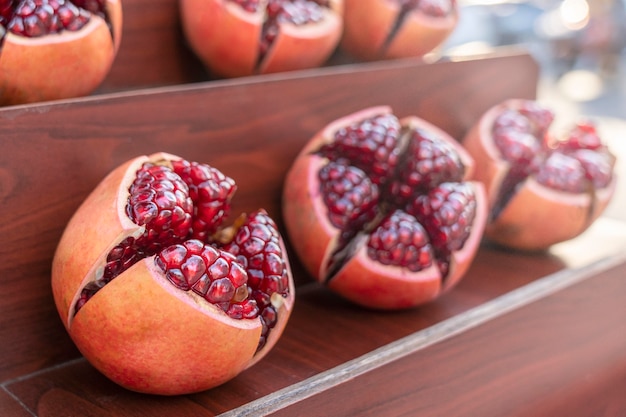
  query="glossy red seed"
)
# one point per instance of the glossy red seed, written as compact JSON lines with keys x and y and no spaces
{"x":429,"y":161}
{"x":370,"y":144}
{"x":401,"y":241}
{"x":349,"y":194}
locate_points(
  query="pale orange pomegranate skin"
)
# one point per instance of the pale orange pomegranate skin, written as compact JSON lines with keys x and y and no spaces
{"x":139,"y":330}
{"x":59,"y":66}
{"x":537,"y":216}
{"x":226,"y":38}
{"x":362,"y":280}
{"x":367,"y":24}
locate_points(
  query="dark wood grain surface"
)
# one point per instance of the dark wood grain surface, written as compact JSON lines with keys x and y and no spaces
{"x":54,"y":155}
{"x":159,"y":98}
{"x":564,"y":355}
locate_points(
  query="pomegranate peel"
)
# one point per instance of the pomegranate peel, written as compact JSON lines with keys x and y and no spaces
{"x":151,"y":305}
{"x":236,"y":38}
{"x":348,"y":211}
{"x":531,"y":206}
{"x":37,"y":67}
{"x":384,"y":29}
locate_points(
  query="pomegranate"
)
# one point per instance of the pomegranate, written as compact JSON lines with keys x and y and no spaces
{"x":156,"y":292}
{"x":379,"y":209}
{"x":543,"y":187}
{"x":244,"y":37}
{"x":54,"y":49}
{"x":386,"y":29}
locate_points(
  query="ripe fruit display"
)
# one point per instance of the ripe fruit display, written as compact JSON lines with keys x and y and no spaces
{"x":384,"y":29}
{"x":244,"y":37}
{"x":543,"y":188}
{"x":55,"y":49}
{"x":380,"y":209}
{"x":156,"y":292}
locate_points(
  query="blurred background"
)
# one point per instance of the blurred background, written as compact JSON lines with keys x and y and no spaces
{"x":579,"y":44}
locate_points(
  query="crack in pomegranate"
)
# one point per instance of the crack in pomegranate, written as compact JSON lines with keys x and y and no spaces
{"x":433,"y":8}
{"x":35,"y":18}
{"x":181,"y":205}
{"x":427,"y":212}
{"x":277,"y":12}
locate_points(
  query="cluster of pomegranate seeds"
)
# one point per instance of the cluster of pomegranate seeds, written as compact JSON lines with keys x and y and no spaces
{"x":211,"y":192}
{"x":33,"y":18}
{"x":428,"y":161}
{"x":371,"y":144}
{"x":168,"y":204}
{"x":447,"y":212}
{"x":350,"y":195}
{"x":257,"y":247}
{"x":180,"y":201}
{"x":400,"y":240}
{"x":159,"y":199}
{"x":426,"y":212}
{"x":576,"y":164}
{"x":209,"y":272}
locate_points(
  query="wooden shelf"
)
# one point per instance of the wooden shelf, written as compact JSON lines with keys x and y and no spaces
{"x":55,"y":153}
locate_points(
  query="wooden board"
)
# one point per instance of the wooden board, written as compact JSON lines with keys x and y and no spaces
{"x":53,"y":154}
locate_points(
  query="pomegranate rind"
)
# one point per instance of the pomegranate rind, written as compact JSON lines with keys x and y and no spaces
{"x":93,"y":239}
{"x":368,"y":23}
{"x":302,"y":47}
{"x":371,"y":284}
{"x":361,"y":279}
{"x":223,"y":36}
{"x":62,"y":65}
{"x":536,"y":217}
{"x":226,"y":38}
{"x":139,"y":330}
{"x":148,"y":337}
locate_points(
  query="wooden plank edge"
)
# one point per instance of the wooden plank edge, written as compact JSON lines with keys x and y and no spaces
{"x":422,"y":339}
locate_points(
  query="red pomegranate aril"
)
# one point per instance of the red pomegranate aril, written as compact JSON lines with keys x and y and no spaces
{"x":401,"y":241}
{"x":371,"y":145}
{"x":427,"y":162}
{"x":350,"y":195}
{"x":447,"y":212}
{"x":34,"y":19}
{"x":211,"y":191}
{"x":256,"y":246}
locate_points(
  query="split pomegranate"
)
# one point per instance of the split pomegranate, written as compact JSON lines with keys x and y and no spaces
{"x":543,"y":187}
{"x":54,"y":49}
{"x":156,"y":292}
{"x":244,"y":37}
{"x":385,"y":29}
{"x":380,"y":209}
